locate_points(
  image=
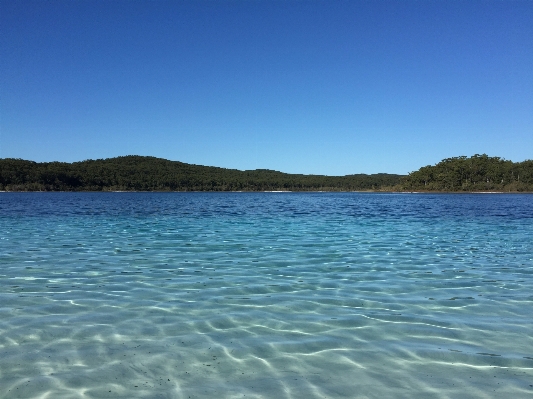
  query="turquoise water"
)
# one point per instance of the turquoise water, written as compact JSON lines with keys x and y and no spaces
{"x":266,"y":295}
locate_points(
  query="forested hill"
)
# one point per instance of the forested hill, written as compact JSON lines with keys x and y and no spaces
{"x":477,"y":173}
{"x":136,"y":173}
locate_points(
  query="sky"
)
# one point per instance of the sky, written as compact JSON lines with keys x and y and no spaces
{"x":315,"y":87}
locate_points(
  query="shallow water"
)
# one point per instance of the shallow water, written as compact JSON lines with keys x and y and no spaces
{"x":266,"y":295}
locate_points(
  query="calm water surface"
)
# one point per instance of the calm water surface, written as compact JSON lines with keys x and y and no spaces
{"x":266,"y":295}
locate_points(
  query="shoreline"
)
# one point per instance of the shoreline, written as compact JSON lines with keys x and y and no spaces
{"x":273,"y":191}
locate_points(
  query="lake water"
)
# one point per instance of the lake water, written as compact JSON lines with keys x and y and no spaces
{"x":266,"y":295}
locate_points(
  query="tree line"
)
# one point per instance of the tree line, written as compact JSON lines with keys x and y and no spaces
{"x":138,"y":173}
{"x":476,"y":173}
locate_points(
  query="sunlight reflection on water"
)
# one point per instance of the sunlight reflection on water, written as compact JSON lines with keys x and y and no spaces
{"x":268,"y":295}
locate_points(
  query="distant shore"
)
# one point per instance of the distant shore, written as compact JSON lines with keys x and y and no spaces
{"x":477,"y":174}
{"x":273,"y":191}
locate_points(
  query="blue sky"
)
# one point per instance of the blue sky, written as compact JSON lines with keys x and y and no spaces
{"x":315,"y":87}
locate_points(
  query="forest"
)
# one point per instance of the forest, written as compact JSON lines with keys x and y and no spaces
{"x":140,"y":173}
{"x":471,"y":174}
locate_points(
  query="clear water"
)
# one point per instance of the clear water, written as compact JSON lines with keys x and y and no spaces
{"x":266,"y":295}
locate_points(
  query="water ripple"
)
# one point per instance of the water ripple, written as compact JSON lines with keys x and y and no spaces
{"x":268,"y":295}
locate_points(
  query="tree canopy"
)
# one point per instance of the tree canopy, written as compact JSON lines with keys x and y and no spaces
{"x":477,"y":173}
{"x":138,"y":173}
